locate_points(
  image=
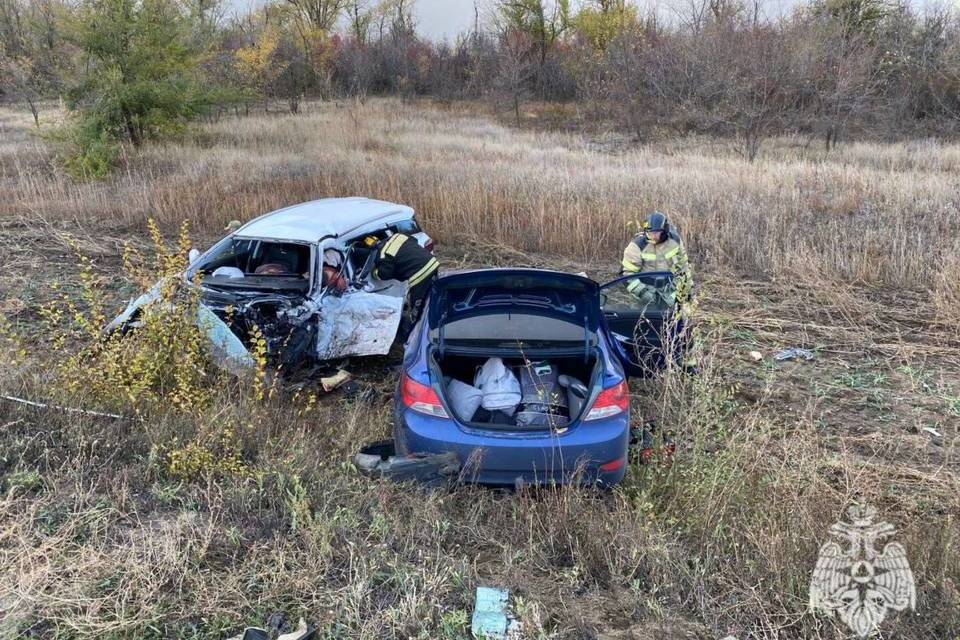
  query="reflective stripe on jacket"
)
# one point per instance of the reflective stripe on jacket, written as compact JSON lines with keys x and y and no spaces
{"x":402,"y":258}
{"x":642,"y":256}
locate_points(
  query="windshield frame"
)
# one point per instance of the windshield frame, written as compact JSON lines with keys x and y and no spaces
{"x":197,"y":264}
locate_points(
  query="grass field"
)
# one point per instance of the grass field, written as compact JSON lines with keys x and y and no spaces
{"x":853,"y":255}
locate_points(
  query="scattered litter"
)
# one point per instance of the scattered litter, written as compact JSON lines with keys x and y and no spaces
{"x":379,"y":460}
{"x":329,"y":383}
{"x":932,"y":431}
{"x":302,"y":632}
{"x":490,"y":618}
{"x":793,"y":352}
{"x":356,"y":391}
{"x":756,"y":356}
{"x":42,"y":405}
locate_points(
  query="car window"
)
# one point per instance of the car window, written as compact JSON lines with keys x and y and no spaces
{"x":408,"y":227}
{"x":258,"y":258}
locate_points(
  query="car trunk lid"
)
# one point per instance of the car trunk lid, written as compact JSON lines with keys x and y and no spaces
{"x":507,"y":309}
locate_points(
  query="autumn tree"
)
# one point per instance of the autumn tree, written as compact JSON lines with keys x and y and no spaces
{"x":599,"y":22}
{"x":34,"y":54}
{"x":542,"y":23}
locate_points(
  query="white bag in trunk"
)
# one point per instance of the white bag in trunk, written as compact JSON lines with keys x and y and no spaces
{"x":501,"y":389}
{"x":464,"y":399}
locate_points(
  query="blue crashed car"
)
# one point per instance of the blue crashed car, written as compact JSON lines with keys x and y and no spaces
{"x":569,"y":345}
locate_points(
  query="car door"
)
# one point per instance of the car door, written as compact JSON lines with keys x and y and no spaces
{"x":640,"y":319}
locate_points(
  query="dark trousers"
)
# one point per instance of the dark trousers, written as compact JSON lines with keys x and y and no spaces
{"x":416,"y":299}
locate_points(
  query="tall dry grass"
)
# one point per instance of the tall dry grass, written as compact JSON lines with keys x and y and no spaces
{"x":885,"y":214}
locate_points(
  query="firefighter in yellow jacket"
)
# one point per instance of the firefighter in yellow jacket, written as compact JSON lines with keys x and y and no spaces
{"x":401,"y":257}
{"x":659,"y":248}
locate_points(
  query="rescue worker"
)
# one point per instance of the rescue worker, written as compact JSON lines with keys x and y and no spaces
{"x":401,"y":257}
{"x":659,"y":248}
{"x":232,"y":226}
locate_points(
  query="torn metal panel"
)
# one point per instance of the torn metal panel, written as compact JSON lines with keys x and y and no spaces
{"x":359,"y":324}
{"x":123,"y":320}
{"x":226,"y":349}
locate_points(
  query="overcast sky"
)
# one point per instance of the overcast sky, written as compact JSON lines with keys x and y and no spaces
{"x":444,"y":19}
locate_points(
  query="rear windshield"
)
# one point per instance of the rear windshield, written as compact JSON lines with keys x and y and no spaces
{"x":515,"y":308}
{"x":510,"y":329}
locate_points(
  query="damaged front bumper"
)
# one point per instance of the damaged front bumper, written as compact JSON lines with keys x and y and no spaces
{"x":293,"y":328}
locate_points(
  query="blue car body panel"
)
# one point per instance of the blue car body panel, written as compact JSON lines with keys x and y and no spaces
{"x":509,"y":457}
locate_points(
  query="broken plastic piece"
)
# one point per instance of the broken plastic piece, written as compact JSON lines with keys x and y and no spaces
{"x":793,"y":352}
{"x":302,"y":632}
{"x":226,"y":349}
{"x":380,"y":460}
{"x":338,"y":379}
{"x":756,"y":356}
{"x":490,"y":613}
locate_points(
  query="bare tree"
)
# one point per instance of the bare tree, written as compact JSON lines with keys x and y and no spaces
{"x":514,"y":70}
{"x":320,"y":14}
{"x":541,"y":22}
{"x":360,"y":17}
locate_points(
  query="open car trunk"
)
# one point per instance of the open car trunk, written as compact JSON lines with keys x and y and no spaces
{"x":515,"y":349}
{"x":549,"y":393}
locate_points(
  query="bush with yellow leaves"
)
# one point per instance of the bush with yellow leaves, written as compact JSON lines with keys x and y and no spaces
{"x":157,"y":364}
{"x":158,"y":361}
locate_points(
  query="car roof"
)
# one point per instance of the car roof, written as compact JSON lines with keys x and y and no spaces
{"x":311,"y":221}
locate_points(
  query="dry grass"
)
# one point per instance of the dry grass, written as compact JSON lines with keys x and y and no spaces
{"x":98,"y":540}
{"x":866,"y":213}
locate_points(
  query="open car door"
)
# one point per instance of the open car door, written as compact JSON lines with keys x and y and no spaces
{"x":640,"y":318}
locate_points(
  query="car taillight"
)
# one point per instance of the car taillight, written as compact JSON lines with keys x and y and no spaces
{"x":610,"y":402}
{"x":421,"y":398}
{"x":428,"y":245}
{"x":613,"y":465}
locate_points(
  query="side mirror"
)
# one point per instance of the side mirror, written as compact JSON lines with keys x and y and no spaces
{"x":192,"y":256}
{"x":603,"y":300}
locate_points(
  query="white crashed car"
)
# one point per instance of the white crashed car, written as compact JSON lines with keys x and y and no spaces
{"x":269,"y":274}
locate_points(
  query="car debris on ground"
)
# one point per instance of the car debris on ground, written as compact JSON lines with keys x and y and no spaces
{"x":491,"y":616}
{"x":379,"y":460}
{"x":44,"y":405}
{"x":644,"y":440}
{"x":276,"y":624}
{"x":337,"y":380}
{"x":793,"y":353}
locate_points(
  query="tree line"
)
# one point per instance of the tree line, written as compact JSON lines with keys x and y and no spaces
{"x":134,"y":70}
